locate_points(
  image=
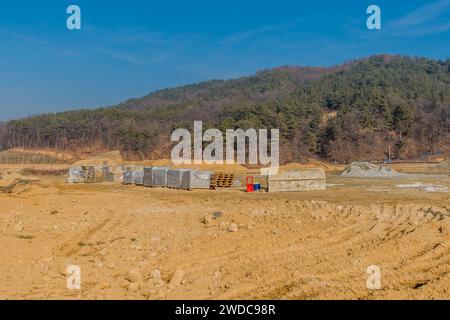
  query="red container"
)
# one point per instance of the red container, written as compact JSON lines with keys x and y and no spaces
{"x":249,"y":184}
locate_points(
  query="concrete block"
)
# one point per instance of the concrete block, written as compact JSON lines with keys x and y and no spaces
{"x":297,"y":180}
{"x":306,"y":174}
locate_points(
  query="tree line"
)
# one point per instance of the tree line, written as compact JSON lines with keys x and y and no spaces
{"x":355,"y":111}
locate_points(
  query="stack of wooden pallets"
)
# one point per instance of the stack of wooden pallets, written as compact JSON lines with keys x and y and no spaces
{"x":221,"y":180}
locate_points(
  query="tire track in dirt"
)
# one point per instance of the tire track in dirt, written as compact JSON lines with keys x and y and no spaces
{"x":340,"y":240}
{"x":75,"y":244}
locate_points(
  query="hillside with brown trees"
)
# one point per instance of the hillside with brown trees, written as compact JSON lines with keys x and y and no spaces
{"x":355,"y":111}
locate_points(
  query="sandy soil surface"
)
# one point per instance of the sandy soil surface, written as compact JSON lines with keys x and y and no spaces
{"x":139,"y":243}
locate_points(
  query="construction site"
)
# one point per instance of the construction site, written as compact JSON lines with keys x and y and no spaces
{"x":154,"y":230}
{"x":214,"y":158}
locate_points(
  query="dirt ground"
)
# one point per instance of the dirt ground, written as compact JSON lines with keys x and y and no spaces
{"x":141,"y":243}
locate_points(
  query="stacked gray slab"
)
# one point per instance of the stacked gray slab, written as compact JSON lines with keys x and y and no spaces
{"x":192,"y":179}
{"x":128,"y":177}
{"x":155,"y":177}
{"x":174,"y":177}
{"x":148,"y":177}
{"x":160,"y":176}
{"x":90,"y":173}
{"x":76,"y":175}
{"x":106,"y":174}
{"x":138,"y":177}
{"x":133,"y":177}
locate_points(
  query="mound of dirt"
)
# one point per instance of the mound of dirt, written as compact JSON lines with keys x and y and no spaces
{"x":95,"y":162}
{"x":112,"y":158}
{"x":16,"y":187}
{"x":7,"y":178}
{"x":444,"y":165}
{"x":441,"y":167}
{"x":368,"y":170}
{"x":113,"y":155}
{"x":159,"y":163}
{"x":15,"y":184}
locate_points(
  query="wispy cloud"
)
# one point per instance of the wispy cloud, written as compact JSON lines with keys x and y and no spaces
{"x":241,"y":36}
{"x":25,"y":37}
{"x":423,"y":14}
{"x":432,"y":18}
{"x":431,"y":29}
{"x":141,"y":46}
{"x":424,"y":20}
{"x":120,"y":55}
{"x":141,"y":36}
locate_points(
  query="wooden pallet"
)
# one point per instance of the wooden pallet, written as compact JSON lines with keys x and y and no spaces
{"x":222,"y":180}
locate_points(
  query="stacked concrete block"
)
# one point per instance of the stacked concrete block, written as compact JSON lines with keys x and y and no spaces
{"x":138,"y":178}
{"x":155,"y":177}
{"x":174,"y":178}
{"x":192,"y":179}
{"x":76,"y":175}
{"x":133,"y":177}
{"x":128,"y":177}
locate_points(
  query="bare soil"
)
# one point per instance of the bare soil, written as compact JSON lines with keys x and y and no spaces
{"x":302,"y":245}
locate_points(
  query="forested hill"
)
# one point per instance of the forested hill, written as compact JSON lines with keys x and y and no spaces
{"x":353,"y":111}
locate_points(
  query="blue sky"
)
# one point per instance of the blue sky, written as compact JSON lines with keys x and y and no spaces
{"x":129,"y":48}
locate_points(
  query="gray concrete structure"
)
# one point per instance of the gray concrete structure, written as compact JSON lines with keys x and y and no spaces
{"x":297,"y":180}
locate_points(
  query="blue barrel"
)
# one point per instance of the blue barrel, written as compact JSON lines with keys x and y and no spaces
{"x":256,"y":187}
